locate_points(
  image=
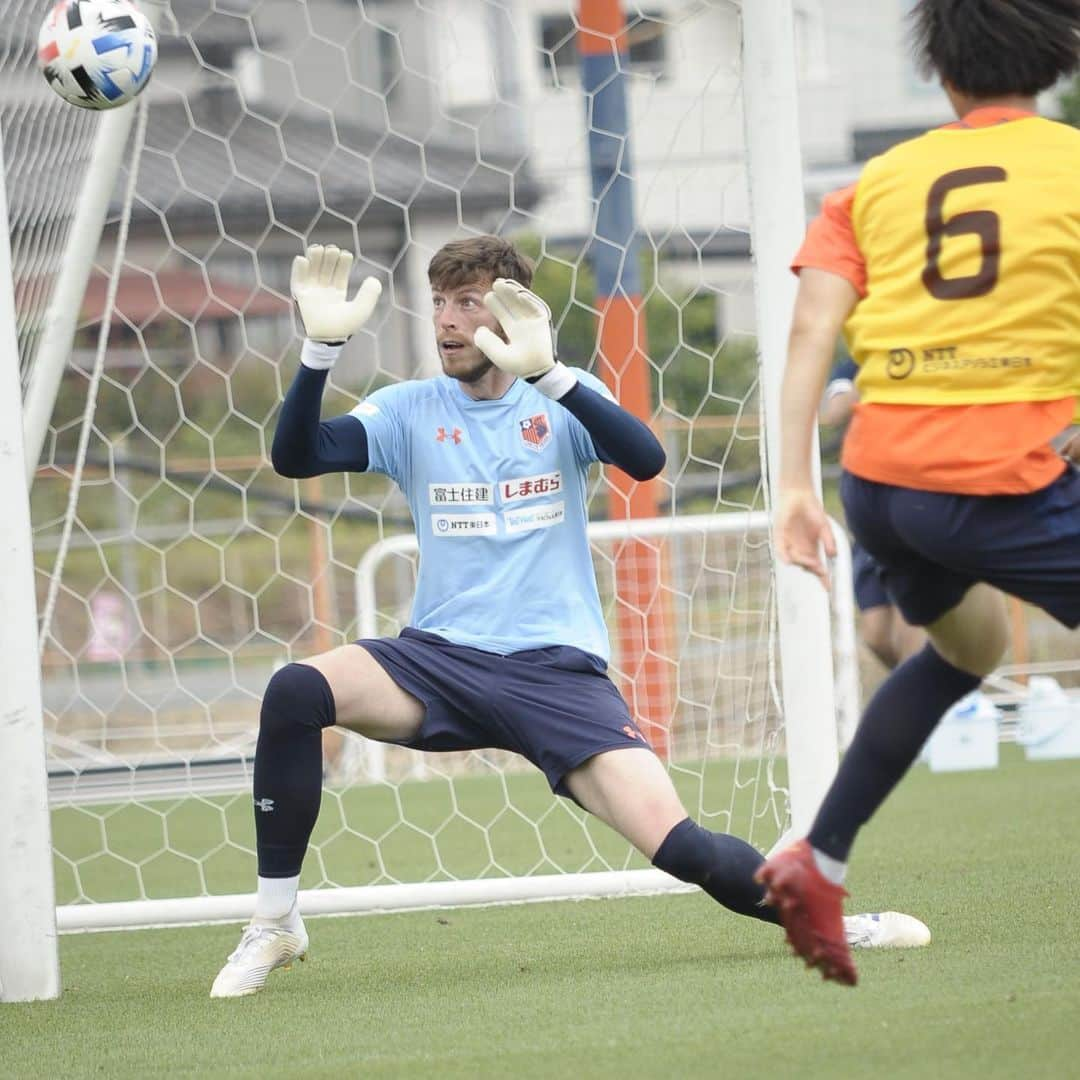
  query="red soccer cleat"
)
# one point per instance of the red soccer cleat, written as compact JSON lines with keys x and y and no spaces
{"x":812,"y":910}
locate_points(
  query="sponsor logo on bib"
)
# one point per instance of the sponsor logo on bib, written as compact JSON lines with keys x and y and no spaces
{"x":450,"y":494}
{"x":535,"y":517}
{"x":530,"y":487}
{"x":463,"y":524}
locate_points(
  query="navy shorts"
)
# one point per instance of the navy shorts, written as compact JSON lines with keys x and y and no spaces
{"x":931,"y":547}
{"x":555,"y":706}
{"x":869,"y":588}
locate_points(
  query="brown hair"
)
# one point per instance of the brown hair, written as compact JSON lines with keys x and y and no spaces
{"x":479,"y":258}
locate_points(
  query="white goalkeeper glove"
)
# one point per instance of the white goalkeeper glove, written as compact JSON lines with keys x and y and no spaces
{"x":528,"y":352}
{"x":319,"y":285}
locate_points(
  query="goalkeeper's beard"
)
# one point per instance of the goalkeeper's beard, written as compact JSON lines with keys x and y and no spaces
{"x":468,"y":366}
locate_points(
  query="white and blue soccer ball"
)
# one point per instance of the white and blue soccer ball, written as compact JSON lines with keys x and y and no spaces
{"x":97,"y":54}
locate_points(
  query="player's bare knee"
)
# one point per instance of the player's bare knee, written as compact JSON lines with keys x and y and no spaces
{"x":883,"y":650}
{"x":907,"y":639}
{"x":975,"y":634}
{"x":875,"y":626}
{"x":659,"y":813}
{"x":631,"y":791}
{"x":975,"y":657}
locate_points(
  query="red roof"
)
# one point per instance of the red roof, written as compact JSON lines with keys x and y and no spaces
{"x":144,"y":298}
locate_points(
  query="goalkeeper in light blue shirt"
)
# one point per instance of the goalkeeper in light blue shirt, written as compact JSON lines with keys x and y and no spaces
{"x":506,"y":647}
{"x":498,"y":488}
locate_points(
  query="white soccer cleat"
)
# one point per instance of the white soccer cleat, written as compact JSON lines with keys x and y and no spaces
{"x":885,"y":930}
{"x":262,"y":948}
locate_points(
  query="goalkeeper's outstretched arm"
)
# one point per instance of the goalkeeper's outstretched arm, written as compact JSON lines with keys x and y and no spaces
{"x":304,"y":446}
{"x":620,"y":438}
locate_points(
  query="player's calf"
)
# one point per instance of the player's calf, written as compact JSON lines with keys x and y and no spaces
{"x":723,"y":865}
{"x":297,"y":705}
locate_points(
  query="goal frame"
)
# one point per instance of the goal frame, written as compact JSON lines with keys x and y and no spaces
{"x":807,"y":690}
{"x":29,"y":964}
{"x":371,"y":899}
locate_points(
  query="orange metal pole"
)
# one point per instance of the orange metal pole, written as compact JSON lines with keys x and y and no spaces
{"x":613,"y":252}
{"x":641,"y":610}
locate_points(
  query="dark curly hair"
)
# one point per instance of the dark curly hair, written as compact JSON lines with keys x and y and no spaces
{"x":479,"y":258}
{"x":997,"y":48}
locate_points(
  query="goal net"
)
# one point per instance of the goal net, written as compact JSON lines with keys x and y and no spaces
{"x":175,"y":571}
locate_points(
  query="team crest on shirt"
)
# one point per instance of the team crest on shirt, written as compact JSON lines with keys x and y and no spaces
{"x":535,"y":431}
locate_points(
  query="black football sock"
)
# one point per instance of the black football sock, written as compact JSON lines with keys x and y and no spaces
{"x":297,"y":705}
{"x":721,"y":864}
{"x":899,"y":719}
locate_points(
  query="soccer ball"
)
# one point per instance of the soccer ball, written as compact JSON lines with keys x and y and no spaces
{"x":97,"y":54}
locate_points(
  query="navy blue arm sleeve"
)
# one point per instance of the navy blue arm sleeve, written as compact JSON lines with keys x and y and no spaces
{"x":620,"y":437}
{"x":304,"y":446}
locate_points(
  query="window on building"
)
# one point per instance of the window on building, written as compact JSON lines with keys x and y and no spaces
{"x":646,"y":40}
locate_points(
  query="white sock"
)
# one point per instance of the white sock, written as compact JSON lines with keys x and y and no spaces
{"x":831,"y":869}
{"x":275,"y":900}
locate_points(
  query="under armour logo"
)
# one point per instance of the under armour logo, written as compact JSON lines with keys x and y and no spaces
{"x":441,"y":435}
{"x":265,"y":805}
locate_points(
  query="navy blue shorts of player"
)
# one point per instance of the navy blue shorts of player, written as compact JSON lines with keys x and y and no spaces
{"x":555,"y":706}
{"x":932,"y":547}
{"x":869,"y":588}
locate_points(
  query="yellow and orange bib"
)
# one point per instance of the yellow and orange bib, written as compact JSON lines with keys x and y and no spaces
{"x":971,"y":242}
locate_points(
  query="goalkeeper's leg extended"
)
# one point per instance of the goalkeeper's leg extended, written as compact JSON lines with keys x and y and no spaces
{"x":632,"y":792}
{"x":342,"y":686}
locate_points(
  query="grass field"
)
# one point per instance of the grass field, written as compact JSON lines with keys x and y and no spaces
{"x":484,"y":825}
{"x":653,"y":987}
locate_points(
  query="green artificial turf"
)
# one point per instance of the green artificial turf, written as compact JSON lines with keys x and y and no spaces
{"x":487,"y":825}
{"x":651,"y":987}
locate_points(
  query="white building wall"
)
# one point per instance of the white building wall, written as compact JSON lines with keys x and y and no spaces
{"x":871,"y":53}
{"x":686,"y":127}
{"x":687,"y":140}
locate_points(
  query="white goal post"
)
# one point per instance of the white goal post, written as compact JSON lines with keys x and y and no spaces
{"x":28,"y":958}
{"x":777,"y":225}
{"x":173,"y":571}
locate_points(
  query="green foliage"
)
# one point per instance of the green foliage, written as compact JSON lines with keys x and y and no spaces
{"x":672,"y":322}
{"x":692,"y":372}
{"x":1069,"y":100}
{"x":702,"y":388}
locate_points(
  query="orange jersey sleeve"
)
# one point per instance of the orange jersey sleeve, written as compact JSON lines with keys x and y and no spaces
{"x":830,"y":241}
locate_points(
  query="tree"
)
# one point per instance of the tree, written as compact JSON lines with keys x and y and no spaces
{"x":1069,"y":100}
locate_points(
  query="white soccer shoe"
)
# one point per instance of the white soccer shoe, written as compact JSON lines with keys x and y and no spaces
{"x":885,"y":930}
{"x":262,"y":948}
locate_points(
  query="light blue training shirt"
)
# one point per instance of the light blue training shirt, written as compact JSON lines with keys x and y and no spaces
{"x":497,"y":491}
